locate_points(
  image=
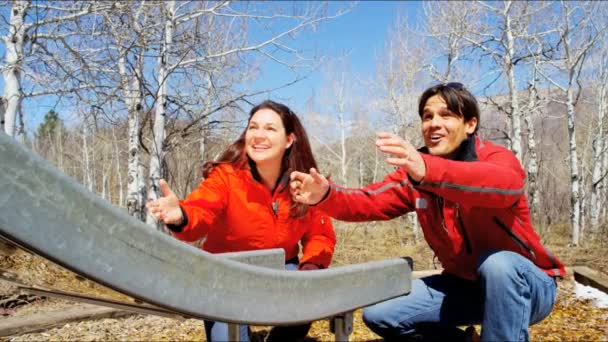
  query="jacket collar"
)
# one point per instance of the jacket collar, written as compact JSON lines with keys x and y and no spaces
{"x":465,"y":152}
{"x":282,"y":182}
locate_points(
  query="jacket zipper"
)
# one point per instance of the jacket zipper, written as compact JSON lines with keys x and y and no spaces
{"x":467,"y":242}
{"x":519,"y":241}
{"x":440,"y":202}
{"x":275,"y":207}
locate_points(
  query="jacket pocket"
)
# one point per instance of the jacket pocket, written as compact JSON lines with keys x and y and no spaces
{"x":514,"y":236}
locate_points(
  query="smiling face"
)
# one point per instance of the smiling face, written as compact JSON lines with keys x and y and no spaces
{"x":442,"y":129}
{"x":265,"y":139}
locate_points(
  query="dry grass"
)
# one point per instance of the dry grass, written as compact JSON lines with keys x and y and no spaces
{"x":572,"y":319}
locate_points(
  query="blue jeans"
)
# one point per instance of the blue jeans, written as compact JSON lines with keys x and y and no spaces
{"x":218,"y":331}
{"x":511,"y":293}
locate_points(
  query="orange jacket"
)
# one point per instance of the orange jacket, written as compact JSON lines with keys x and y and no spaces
{"x":237,"y":213}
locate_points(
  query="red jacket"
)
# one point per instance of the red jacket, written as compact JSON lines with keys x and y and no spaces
{"x":237,"y":213}
{"x":466,"y":207}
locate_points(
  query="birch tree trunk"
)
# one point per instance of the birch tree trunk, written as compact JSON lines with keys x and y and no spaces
{"x":532,"y":167}
{"x":361,"y":173}
{"x":604,"y":192}
{"x":578,"y":35}
{"x":118,"y":169}
{"x":158,"y":145}
{"x":575,"y":219}
{"x":203,"y":140}
{"x":509,"y":65}
{"x":87,"y":170}
{"x":343,"y":166}
{"x":599,"y":152}
{"x":59,"y":133}
{"x":13,"y":94}
{"x":376,"y":164}
{"x":2,"y":110}
{"x":132,"y":90}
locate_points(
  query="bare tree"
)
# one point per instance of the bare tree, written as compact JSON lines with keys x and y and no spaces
{"x":129,"y":28}
{"x":2,"y":109}
{"x":447,"y":46}
{"x":118,"y":170}
{"x":178,"y":55}
{"x":534,"y":105}
{"x":578,"y":33}
{"x":339,"y":90}
{"x":500,"y":30}
{"x":400,"y":74}
{"x":600,"y":145}
{"x":25,"y":41}
{"x":156,"y":155}
{"x":13,"y":43}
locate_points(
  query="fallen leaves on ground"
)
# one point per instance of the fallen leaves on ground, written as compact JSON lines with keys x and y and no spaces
{"x":572,"y":319}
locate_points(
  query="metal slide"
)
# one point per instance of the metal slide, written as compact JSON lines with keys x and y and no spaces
{"x":50,"y":214}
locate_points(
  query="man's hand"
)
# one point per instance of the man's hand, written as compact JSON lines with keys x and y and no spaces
{"x":403,"y":154}
{"x":308,"y":188}
{"x":166,"y":208}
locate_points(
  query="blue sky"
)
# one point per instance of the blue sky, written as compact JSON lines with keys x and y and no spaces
{"x":361,"y":33}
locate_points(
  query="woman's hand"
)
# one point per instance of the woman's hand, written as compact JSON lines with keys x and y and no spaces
{"x":166,"y":208}
{"x":308,"y":188}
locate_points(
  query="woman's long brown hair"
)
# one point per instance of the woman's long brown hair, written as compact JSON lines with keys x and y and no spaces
{"x":298,"y":157}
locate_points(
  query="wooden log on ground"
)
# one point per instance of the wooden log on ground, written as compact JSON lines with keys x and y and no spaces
{"x":591,"y":277}
{"x":46,"y":320}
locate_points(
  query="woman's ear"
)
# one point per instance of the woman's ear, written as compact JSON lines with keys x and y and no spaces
{"x":291,"y":138}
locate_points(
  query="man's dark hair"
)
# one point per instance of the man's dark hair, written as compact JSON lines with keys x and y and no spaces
{"x":459,"y":100}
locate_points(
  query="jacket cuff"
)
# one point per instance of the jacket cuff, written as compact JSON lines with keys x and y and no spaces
{"x":177,"y":228}
{"x":430,"y":166}
{"x":324,"y":197}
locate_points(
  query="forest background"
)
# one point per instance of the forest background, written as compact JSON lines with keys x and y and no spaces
{"x":120,"y":94}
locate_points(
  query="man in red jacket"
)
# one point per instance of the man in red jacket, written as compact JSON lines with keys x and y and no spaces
{"x":470,"y":200}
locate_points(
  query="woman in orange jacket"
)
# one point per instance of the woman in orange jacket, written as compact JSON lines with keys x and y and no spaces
{"x":244,"y":203}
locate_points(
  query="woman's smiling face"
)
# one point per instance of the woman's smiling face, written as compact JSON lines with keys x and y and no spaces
{"x":265,"y":139}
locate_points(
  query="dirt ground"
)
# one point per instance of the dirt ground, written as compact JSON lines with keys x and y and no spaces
{"x":572,"y":319}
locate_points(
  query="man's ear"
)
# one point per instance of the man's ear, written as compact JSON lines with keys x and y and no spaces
{"x":471,"y":125}
{"x":290,"y":140}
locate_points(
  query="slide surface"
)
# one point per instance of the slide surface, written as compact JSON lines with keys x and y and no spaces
{"x":52,"y":215}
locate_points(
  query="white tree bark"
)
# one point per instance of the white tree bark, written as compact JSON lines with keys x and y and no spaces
{"x":604,"y":192}
{"x":131,"y":84}
{"x":579,"y":34}
{"x":575,"y":205}
{"x":158,"y":145}
{"x":2,"y":110}
{"x":132,"y":90}
{"x":509,"y":66}
{"x":376,"y":163}
{"x":532,"y":166}
{"x":500,"y":31}
{"x":87,"y":169}
{"x":21,"y":33}
{"x":599,"y":149}
{"x":343,"y":161}
{"x":116,"y":154}
{"x":14,"y":41}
